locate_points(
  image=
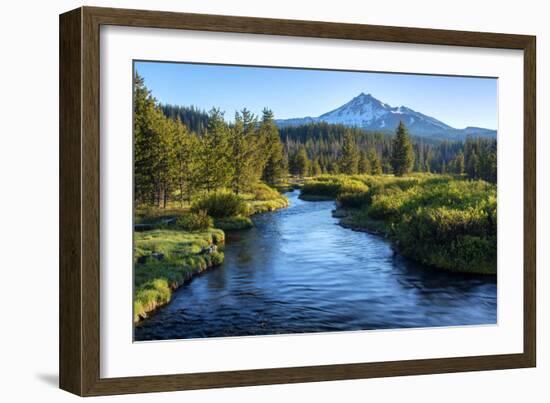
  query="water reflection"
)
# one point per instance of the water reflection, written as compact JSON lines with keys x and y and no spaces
{"x":297,"y":271}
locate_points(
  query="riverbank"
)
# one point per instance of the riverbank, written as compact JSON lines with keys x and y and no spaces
{"x":297,"y":271}
{"x":174,"y":244}
{"x":166,"y":259}
{"x":442,"y":221}
{"x":354,"y":220}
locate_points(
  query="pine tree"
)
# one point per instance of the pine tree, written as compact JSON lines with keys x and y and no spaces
{"x":472,"y":165}
{"x":144,"y":105}
{"x":274,"y":168}
{"x":386,"y":159}
{"x":402,"y":158}
{"x":364,"y":163}
{"x":315,"y":169}
{"x":167,"y":163}
{"x":242,"y":148}
{"x":333,"y":167}
{"x":350,"y":155}
{"x":301,"y":162}
{"x":152,"y":152}
{"x":185,"y":157}
{"x":374,"y":162}
{"x":486,"y":167}
{"x":215,"y":168}
{"x":459,"y":163}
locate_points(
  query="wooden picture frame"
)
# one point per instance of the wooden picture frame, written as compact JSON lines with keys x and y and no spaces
{"x":80,"y":200}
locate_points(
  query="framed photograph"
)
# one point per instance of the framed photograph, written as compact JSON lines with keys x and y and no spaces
{"x":250,"y":201}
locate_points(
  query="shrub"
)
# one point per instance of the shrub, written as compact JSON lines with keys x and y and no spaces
{"x":439,"y":220}
{"x":329,"y":188}
{"x":332,"y":186}
{"x":218,"y":236}
{"x":268,"y":205}
{"x":387,"y":204}
{"x":234,"y":223}
{"x":222,"y":204}
{"x":355,"y":200}
{"x":452,"y":239}
{"x":354,"y":194}
{"x":262,"y":191}
{"x":352,"y":186}
{"x":217,"y":258}
{"x":194,"y":221}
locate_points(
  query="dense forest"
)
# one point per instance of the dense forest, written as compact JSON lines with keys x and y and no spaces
{"x":326,"y":147}
{"x":173,"y":162}
{"x":198,"y":174}
{"x":323,"y":145}
{"x":181,"y":151}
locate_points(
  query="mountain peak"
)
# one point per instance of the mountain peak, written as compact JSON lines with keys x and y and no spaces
{"x":365,"y":96}
{"x":366,"y":112}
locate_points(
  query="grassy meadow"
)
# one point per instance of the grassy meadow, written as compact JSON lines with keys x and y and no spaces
{"x":177,"y":242}
{"x":444,"y":221}
{"x":198,"y":174}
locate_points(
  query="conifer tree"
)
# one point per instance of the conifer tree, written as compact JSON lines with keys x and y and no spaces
{"x":242,"y":153}
{"x":152,"y":153}
{"x":364,"y":164}
{"x":143,"y":158}
{"x":402,"y":158}
{"x":459,"y":163}
{"x":443,"y":168}
{"x":301,"y":162}
{"x":185,"y":161}
{"x":472,"y":165}
{"x":274,"y":168}
{"x":374,"y":162}
{"x":315,"y":169}
{"x":215,"y":169}
{"x":350,"y":155}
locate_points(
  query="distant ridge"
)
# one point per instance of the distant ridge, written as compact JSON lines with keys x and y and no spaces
{"x":367,"y":112}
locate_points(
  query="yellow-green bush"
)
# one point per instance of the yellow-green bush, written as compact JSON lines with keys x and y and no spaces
{"x":332,"y":186}
{"x":440,"y":220}
{"x":263,"y":192}
{"x":221,"y":204}
{"x":194,"y":221}
{"x":234,"y":223}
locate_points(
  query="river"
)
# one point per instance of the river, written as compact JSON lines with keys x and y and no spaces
{"x":298,"y":271}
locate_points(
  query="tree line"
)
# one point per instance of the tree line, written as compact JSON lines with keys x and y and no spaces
{"x":172,"y":162}
{"x":322,"y":148}
{"x":181,"y":151}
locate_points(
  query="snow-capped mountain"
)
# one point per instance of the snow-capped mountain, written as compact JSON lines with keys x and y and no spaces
{"x":365,"y":111}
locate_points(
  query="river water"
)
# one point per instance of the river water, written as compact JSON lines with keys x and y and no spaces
{"x":297,"y":271}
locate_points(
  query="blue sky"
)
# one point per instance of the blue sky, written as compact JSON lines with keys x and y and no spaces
{"x":290,"y":93}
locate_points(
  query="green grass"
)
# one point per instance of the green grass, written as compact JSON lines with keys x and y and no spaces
{"x":233,"y":223}
{"x":222,"y":204}
{"x":262,"y":198}
{"x":262,"y":206}
{"x":219,"y":204}
{"x":289,"y":184}
{"x":154,"y":280}
{"x":330,"y":187}
{"x":442,"y":221}
{"x":181,"y":233}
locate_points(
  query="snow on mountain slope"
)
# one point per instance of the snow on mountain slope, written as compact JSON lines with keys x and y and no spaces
{"x":365,"y":111}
